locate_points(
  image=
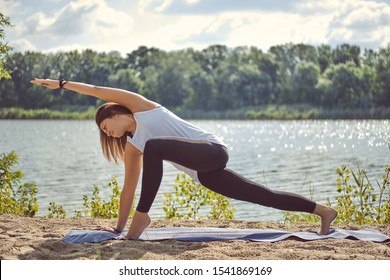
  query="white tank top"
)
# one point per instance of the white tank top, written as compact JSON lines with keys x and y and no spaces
{"x":160,"y":122}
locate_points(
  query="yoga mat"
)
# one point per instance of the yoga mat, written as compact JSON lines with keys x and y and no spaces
{"x":204,"y":234}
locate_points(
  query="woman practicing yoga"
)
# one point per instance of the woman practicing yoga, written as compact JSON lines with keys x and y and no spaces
{"x":142,"y":134}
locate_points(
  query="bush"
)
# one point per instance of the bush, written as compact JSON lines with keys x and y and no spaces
{"x":189,"y":198}
{"x":98,"y":208}
{"x":22,"y":202}
{"x":56,"y":211}
{"x":358,"y":201}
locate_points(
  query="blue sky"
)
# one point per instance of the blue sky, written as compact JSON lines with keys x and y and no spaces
{"x":124,"y":25}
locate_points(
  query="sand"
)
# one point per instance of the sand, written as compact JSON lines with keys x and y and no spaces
{"x":41,"y":238}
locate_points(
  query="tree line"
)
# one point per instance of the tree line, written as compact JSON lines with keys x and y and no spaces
{"x":4,"y":48}
{"x":215,"y":78}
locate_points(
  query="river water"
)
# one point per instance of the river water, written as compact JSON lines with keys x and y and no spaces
{"x":64,"y":159}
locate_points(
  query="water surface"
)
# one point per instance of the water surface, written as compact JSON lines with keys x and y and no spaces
{"x":64,"y":159}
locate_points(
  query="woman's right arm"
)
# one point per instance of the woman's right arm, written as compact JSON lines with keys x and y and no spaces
{"x":133,"y":101}
{"x":133,"y":165}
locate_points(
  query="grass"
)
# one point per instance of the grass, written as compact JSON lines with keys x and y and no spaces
{"x":46,"y":114}
{"x":269,"y":112}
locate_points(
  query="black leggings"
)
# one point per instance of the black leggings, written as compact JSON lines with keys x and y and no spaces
{"x":209,"y":160}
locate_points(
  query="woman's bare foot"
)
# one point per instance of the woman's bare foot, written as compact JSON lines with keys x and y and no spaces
{"x":327,"y":215}
{"x":139,"y":222}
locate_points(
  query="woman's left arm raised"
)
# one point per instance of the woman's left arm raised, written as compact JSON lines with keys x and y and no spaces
{"x":133,"y":101}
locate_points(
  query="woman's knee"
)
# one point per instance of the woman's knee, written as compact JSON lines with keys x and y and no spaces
{"x":210,"y":179}
{"x":151,"y":145}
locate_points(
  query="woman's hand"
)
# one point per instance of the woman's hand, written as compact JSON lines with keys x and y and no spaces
{"x":123,"y":238}
{"x":52,"y":84}
{"x":109,"y":229}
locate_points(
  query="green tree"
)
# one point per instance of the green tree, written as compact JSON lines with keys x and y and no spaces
{"x":346,"y":90}
{"x":382,"y":95}
{"x":25,"y":67}
{"x":211,"y":57}
{"x":204,"y":91}
{"x":370,"y":58}
{"x":215,"y":78}
{"x":369,"y":84}
{"x":324,"y":53}
{"x":126,"y":79}
{"x":173,"y":83}
{"x":4,"y":48}
{"x":267,"y":66}
{"x":254,"y":86}
{"x":305,"y":78}
{"x":242,"y":85}
{"x":346,"y":53}
{"x":15,"y":198}
{"x":288,"y":55}
{"x":144,"y":57}
{"x":227,"y":87}
{"x":7,"y":93}
{"x":147,"y":64}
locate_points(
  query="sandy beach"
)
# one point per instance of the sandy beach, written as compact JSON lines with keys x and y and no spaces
{"x":40,"y":238}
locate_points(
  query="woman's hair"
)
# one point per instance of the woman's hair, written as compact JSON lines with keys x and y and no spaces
{"x":113,"y":148}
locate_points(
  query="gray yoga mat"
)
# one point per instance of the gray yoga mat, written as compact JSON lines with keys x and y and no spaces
{"x":204,"y":234}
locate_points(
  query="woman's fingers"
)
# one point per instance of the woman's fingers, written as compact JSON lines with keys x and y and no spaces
{"x":37,"y":81}
{"x":121,"y":237}
{"x":109,"y":229}
{"x":52,"y":84}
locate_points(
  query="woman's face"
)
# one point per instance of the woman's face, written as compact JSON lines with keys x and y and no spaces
{"x":115,"y":126}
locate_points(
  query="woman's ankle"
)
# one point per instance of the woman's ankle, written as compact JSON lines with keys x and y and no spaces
{"x":139,"y":222}
{"x":327,"y":215}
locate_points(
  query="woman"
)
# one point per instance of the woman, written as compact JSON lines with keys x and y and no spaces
{"x":142,"y":134}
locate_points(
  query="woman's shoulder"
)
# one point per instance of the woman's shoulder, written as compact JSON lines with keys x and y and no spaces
{"x":145,"y":107}
{"x":150,"y":111}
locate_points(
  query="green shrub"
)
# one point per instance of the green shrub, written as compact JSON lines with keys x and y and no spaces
{"x":56,"y":211}
{"x":189,"y":198}
{"x":294,"y":217}
{"x":358,"y":201}
{"x":21,"y":202}
{"x":98,"y":208}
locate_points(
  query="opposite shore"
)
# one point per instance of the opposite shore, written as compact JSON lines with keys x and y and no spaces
{"x":270,"y":112}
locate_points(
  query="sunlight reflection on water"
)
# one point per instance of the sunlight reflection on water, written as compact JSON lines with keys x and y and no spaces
{"x":65,"y":160}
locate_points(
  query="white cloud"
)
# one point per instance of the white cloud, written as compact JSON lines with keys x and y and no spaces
{"x":363,"y":23}
{"x":8,"y":7}
{"x":266,"y":30}
{"x":189,"y":26}
{"x":309,"y":7}
{"x":250,"y":28}
{"x":72,"y":47}
{"x":22,"y":45}
{"x":190,"y":2}
{"x":81,"y":22}
{"x":153,"y":6}
{"x":174,"y":24}
{"x":213,"y":7}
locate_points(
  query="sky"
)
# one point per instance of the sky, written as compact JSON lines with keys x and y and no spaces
{"x":124,"y":25}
